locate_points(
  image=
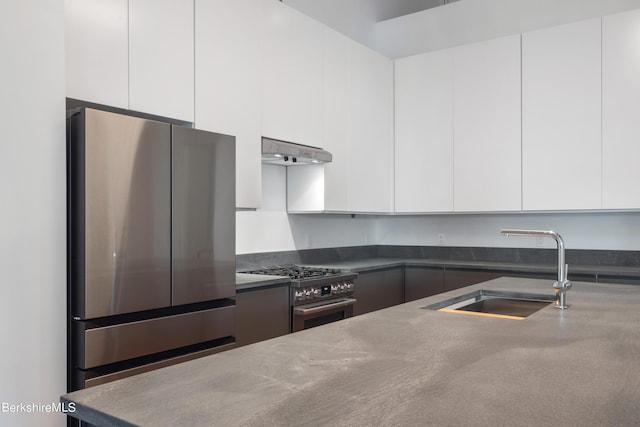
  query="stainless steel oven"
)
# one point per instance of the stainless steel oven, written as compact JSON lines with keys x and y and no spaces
{"x":320,"y":313}
{"x":318,"y":295}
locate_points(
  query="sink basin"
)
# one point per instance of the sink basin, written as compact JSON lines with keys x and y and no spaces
{"x":500,"y":304}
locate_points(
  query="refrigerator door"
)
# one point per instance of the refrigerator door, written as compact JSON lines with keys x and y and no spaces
{"x":203,"y":220}
{"x":119,"y":175}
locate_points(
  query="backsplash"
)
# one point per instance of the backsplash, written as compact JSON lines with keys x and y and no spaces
{"x":510,"y":255}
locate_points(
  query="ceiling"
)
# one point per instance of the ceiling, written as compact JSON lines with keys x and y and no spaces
{"x":358,"y":18}
{"x":388,"y":9}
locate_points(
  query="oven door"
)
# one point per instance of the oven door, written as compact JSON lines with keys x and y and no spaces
{"x":320,"y":313}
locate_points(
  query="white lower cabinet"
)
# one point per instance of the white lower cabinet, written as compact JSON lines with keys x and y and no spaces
{"x":424,"y":132}
{"x":228,"y":82}
{"x":621,"y":110}
{"x":561,"y":114}
{"x":486,"y":126}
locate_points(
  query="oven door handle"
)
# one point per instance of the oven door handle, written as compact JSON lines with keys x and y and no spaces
{"x":340,"y":303}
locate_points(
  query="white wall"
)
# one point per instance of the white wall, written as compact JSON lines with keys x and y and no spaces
{"x":470,"y":21}
{"x":271,"y":229}
{"x":580,"y":230}
{"x":32,"y":225}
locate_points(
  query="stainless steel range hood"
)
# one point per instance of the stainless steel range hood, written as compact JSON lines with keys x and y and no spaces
{"x":277,"y":152}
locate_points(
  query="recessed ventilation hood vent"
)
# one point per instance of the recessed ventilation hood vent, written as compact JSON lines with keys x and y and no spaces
{"x":284,"y":153}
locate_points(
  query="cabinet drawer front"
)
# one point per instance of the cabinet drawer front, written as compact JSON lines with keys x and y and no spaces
{"x":90,"y":382}
{"x":110,"y":344}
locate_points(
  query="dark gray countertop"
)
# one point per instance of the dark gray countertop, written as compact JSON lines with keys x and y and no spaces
{"x":245,"y":281}
{"x":369,"y":264}
{"x":408,"y":366}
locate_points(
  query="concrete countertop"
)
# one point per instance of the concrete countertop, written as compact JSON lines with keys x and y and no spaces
{"x":407,"y":366}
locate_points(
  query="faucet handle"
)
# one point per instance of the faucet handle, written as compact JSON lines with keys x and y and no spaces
{"x":565,"y":284}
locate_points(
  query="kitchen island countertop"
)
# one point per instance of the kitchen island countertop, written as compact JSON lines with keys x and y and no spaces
{"x":405,"y":365}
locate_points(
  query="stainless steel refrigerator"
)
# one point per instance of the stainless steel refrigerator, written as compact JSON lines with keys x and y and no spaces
{"x":151,"y":245}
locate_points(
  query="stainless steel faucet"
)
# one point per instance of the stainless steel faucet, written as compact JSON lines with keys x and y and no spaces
{"x":562,"y":285}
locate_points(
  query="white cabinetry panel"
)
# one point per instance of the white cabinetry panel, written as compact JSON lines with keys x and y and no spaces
{"x":357,"y":130}
{"x":306,"y":83}
{"x":561,"y":112}
{"x":97,"y":51}
{"x":291,"y":75}
{"x":370,"y":98}
{"x":228,"y":73}
{"x":487,"y":127}
{"x":424,"y":133}
{"x":317,"y":188}
{"x":336,"y":119}
{"x":161,"y":57}
{"x":277,"y":70}
{"x":621,"y":110}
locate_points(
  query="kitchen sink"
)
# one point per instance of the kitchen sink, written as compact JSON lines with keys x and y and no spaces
{"x":500,"y":304}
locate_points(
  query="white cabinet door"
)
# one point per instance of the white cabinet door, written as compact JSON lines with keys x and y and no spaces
{"x":306,"y":83}
{"x":486,"y":131}
{"x":228,"y":73}
{"x":561,"y":117}
{"x":161,"y":57}
{"x":370,"y":130}
{"x":621,"y":110}
{"x":96,"y":51}
{"x":357,"y":130}
{"x":291,"y":75}
{"x":424,"y":133}
{"x":336,"y":119}
{"x":277,"y":70}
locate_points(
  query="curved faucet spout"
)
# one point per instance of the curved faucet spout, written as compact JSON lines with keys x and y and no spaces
{"x":562,"y":285}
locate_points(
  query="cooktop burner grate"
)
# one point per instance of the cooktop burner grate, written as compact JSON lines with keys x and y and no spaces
{"x":297,"y":272}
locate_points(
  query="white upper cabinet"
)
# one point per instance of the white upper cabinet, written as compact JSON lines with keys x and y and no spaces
{"x":135,"y":54}
{"x":291,"y":54}
{"x":370,"y":130}
{"x":96,"y":37}
{"x":227,"y":79}
{"x":424,"y":133}
{"x":306,"y":83}
{"x":325,"y":188}
{"x":621,"y":110}
{"x":336,"y":119}
{"x":161,"y":57}
{"x":487,"y":126}
{"x":561,"y":113}
{"x":357,"y":129}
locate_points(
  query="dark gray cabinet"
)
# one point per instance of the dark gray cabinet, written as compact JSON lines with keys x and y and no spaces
{"x":262,"y":314}
{"x":454,"y":279}
{"x":378,"y":289}
{"x":421,"y":282}
{"x":615,"y":279}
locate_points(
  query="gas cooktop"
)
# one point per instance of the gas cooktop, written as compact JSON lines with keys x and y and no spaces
{"x":296,"y":272}
{"x":304,"y":276}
